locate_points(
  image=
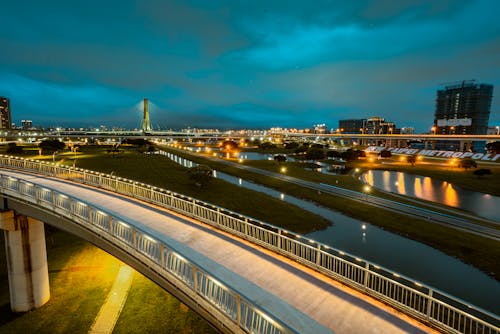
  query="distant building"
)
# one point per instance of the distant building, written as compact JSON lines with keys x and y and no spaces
{"x":26,"y":124}
{"x":407,"y":130}
{"x":463,"y":108}
{"x":5,"y":113}
{"x":351,"y":126}
{"x":378,"y":126}
{"x":319,"y":128}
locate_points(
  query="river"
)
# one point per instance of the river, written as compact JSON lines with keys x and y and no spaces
{"x":392,"y":251}
{"x":424,"y":187}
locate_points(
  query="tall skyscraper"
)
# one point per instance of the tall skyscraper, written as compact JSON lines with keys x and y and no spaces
{"x":463,"y":108}
{"x":5,"y":113}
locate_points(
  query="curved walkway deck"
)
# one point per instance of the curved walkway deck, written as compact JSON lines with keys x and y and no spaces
{"x":297,"y":295}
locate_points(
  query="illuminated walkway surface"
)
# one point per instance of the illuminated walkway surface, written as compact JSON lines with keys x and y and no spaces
{"x":288,"y":290}
{"x":111,"y":309}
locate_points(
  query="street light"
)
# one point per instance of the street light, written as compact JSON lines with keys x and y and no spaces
{"x":366,"y":190}
{"x":433,"y":130}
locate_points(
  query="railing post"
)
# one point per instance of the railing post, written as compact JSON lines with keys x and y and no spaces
{"x":162,"y":255}
{"x":367,"y":274}
{"x":110,"y":223}
{"x":279,"y":239}
{"x":70,"y":199}
{"x":194,"y":270}
{"x":318,"y":256}
{"x":36,"y":193}
{"x":246,"y":226}
{"x":53,"y":199}
{"x":238,"y":309}
{"x":134,"y":239}
{"x":89,"y":214}
{"x":218,"y":216}
{"x":429,"y":304}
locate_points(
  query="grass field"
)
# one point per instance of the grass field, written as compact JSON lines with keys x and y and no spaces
{"x":480,"y":252}
{"x":81,"y":277}
{"x":161,"y":172}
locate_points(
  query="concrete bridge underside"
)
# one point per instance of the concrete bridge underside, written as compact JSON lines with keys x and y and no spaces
{"x":304,"y":299}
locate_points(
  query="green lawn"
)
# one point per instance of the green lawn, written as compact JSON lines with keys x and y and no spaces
{"x":480,"y":252}
{"x":160,"y":171}
{"x":149,"y":309}
{"x":81,"y":277}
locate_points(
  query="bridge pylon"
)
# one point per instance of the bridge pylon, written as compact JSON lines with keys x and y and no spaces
{"x":146,"y":124}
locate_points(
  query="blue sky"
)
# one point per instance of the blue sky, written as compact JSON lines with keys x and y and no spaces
{"x":242,"y":63}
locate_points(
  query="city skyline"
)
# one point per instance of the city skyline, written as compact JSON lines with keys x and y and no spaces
{"x":238,"y":65}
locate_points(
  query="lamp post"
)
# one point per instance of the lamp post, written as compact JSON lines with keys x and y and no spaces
{"x":366,"y":190}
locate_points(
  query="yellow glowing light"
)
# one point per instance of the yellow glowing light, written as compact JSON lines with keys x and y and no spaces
{"x":283,"y":169}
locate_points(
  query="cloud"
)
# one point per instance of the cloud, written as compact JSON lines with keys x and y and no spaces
{"x":241,"y":63}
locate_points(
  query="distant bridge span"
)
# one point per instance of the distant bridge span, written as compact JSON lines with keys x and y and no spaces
{"x":236,"y":285}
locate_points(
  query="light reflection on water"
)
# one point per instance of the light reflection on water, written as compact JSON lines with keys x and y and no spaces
{"x":484,"y":205}
{"x":387,"y":249}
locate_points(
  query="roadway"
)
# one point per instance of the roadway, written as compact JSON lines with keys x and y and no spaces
{"x":300,"y":297}
{"x":452,"y":218}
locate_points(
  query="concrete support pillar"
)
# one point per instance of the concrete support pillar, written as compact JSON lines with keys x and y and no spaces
{"x":433,"y":145}
{"x":26,"y":261}
{"x":461,"y":146}
{"x":425,"y":145}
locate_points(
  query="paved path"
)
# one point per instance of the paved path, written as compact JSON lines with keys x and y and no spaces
{"x":106,"y":319}
{"x":299,"y":296}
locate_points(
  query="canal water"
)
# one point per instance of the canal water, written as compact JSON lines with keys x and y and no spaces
{"x":405,"y":256}
{"x":424,"y":187}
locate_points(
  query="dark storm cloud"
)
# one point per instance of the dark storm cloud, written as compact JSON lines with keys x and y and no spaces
{"x":241,"y":63}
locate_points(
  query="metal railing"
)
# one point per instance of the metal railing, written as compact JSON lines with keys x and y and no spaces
{"x":429,"y":305}
{"x":164,"y":259}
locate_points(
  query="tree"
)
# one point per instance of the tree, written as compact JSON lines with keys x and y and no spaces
{"x":412,"y":159}
{"x":333,"y":154}
{"x":200,"y":174}
{"x":12,"y":148}
{"x":315,"y":153}
{"x":279,"y":158}
{"x":267,"y":146}
{"x":467,"y":163}
{"x":291,"y":145}
{"x":385,"y":154}
{"x":137,"y":142}
{"x":51,"y":145}
{"x":229,"y":146}
{"x":302,"y":148}
{"x":493,"y":147}
{"x":481,"y":172}
{"x":360,"y":153}
{"x":349,"y":155}
{"x":114,"y":150}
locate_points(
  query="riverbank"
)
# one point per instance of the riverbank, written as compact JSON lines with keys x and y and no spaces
{"x":488,"y":184}
{"x":483,"y":253}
